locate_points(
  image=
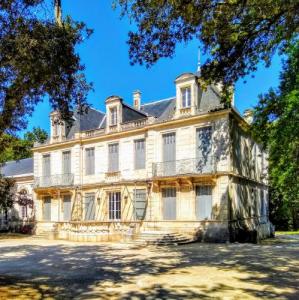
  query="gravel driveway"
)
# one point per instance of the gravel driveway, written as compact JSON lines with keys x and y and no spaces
{"x":43,"y":269}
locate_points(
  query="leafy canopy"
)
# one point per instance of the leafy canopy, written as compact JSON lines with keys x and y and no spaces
{"x":276,"y":125}
{"x":236,"y":34}
{"x":37,"y":59}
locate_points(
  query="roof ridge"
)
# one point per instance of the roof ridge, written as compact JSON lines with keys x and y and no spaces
{"x":154,"y":102}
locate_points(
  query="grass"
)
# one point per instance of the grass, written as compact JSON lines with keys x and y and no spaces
{"x":287,"y":232}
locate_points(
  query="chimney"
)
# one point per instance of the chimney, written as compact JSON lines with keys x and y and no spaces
{"x":248,"y":116}
{"x":137,"y":99}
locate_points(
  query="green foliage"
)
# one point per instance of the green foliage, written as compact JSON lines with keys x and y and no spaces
{"x":276,"y":125}
{"x":15,"y":148}
{"x":6,"y":193}
{"x":236,"y":34}
{"x":37,"y":59}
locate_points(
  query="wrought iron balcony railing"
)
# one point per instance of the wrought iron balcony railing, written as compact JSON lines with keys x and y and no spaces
{"x":201,"y":165}
{"x":54,"y":180}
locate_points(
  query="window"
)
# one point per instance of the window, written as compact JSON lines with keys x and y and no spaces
{"x":113,"y":116}
{"x":139,"y":203}
{"x":24,"y":211}
{"x":114,"y":206}
{"x":139,"y":152}
{"x":186,"y":97}
{"x":203,"y":203}
{"x":89,"y":206}
{"x":46,"y":165}
{"x":67,"y":207}
{"x":47,"y":209}
{"x":89,"y":161}
{"x":113,"y":158}
{"x":169,"y":203}
{"x":66,"y":162}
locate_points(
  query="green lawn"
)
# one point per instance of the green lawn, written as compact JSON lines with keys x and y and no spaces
{"x":286,"y":232}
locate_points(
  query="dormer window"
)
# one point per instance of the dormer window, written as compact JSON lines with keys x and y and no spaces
{"x":113,"y":116}
{"x":186,"y":97}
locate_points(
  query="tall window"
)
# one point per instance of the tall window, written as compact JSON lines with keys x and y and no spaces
{"x":46,"y":165}
{"x":113,"y":116}
{"x":47,"y":209}
{"x":89,"y":161}
{"x":89,"y":206}
{"x":114,"y":206}
{"x":24,"y":211}
{"x":139,"y":153}
{"x":186,"y":97}
{"x":66,"y":162}
{"x":139,"y":203}
{"x":113,"y":158}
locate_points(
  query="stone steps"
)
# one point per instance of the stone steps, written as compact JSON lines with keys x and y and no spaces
{"x":161,"y":239}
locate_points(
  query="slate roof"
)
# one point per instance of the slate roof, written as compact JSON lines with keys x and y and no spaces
{"x":17,"y":167}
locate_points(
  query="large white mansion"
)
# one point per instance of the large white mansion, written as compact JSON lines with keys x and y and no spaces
{"x":183,"y":164}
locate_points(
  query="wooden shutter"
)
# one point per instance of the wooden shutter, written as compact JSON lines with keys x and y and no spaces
{"x":47,"y":209}
{"x":89,"y":161}
{"x":46,"y":165}
{"x":169,"y":154}
{"x":67,"y":208}
{"x":139,"y":146}
{"x":89,"y":206}
{"x":169,"y":203}
{"x":139,"y":203}
{"x":204,"y":161}
{"x":203,"y":202}
{"x":113,"y":158}
{"x":66,"y":162}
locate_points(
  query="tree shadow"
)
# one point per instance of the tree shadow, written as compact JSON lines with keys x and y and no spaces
{"x":111,"y":271}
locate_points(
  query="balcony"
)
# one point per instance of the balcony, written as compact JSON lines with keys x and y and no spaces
{"x":201,"y":165}
{"x":54,"y":180}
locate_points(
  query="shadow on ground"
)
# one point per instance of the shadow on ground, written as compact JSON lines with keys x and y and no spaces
{"x":106,"y":271}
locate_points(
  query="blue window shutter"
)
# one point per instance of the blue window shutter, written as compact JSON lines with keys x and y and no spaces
{"x":66,"y":162}
{"x":47,"y":165}
{"x":89,"y":161}
{"x":47,"y":209}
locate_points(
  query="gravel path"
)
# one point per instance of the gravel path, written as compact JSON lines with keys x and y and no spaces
{"x":43,"y":269}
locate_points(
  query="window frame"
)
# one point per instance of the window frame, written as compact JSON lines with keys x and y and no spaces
{"x":113,"y":116}
{"x":137,"y":164}
{"x":88,"y":169}
{"x":186,"y":97}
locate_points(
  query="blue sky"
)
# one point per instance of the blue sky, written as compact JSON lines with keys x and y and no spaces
{"x":105,"y":56}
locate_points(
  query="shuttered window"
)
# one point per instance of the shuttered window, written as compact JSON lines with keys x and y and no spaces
{"x":114,"y":206}
{"x":67,"y":208}
{"x":139,"y":203}
{"x":47,"y":209}
{"x":113,"y":158}
{"x":139,"y":151}
{"x":66,"y":162}
{"x":89,"y":161}
{"x":169,"y":154}
{"x":46,"y":165}
{"x":169,"y":203}
{"x":204,"y":161}
{"x":203,"y":206}
{"x":89,"y":206}
{"x":113,"y":116}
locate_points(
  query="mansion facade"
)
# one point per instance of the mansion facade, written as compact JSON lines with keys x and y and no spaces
{"x":184,"y":164}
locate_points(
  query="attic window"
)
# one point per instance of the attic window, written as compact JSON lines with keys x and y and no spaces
{"x":186,"y":96}
{"x":113,"y":116}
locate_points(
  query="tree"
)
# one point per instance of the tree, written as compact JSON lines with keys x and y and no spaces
{"x":276,"y":122}
{"x":15,"y":148}
{"x":37,"y":60}
{"x":236,"y":34}
{"x":6,"y":194}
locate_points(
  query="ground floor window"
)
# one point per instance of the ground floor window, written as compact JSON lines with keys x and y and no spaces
{"x":89,"y":206}
{"x":66,"y":206}
{"x":24,"y":211}
{"x":114,"y":206}
{"x":169,"y":203}
{"x":47,"y":209}
{"x":203,"y":202}
{"x":139,"y":203}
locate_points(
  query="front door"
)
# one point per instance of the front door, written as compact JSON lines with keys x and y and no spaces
{"x":169,"y":154}
{"x":169,"y":203}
